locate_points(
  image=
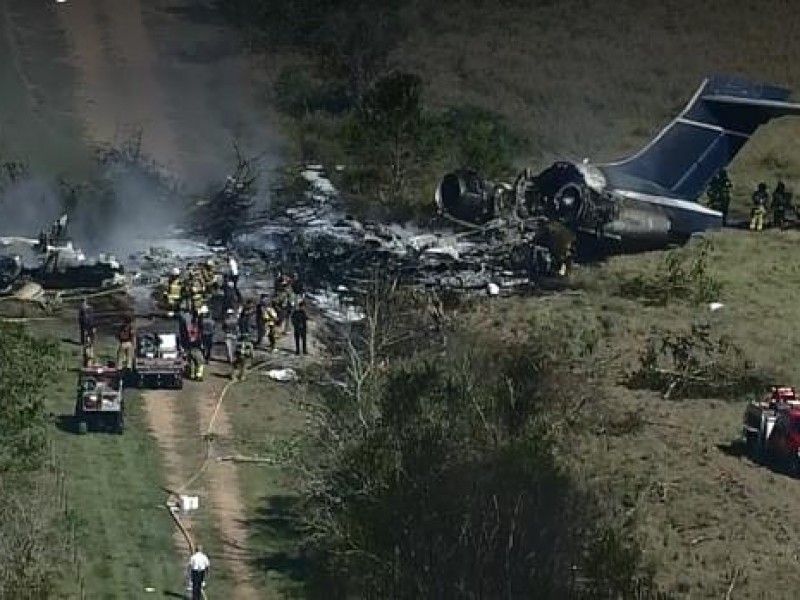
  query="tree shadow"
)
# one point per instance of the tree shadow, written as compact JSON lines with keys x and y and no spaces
{"x":278,"y":540}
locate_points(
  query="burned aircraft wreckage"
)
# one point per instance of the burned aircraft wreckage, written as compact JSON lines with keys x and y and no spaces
{"x":509,"y":233}
{"x":646,"y":201}
{"x":52,"y":262}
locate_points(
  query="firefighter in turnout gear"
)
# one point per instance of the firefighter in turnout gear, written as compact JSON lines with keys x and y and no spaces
{"x":208,"y":276}
{"x":173,"y":292}
{"x":243,"y":357}
{"x":271,"y":317}
{"x":197,"y":292}
{"x":760,"y":200}
{"x":561,"y":242}
{"x":719,"y":194}
{"x":781,"y":202}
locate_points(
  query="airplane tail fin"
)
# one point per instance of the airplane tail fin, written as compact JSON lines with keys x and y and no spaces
{"x":704,"y":138}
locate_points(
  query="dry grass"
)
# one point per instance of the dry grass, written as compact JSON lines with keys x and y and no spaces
{"x":702,"y":511}
{"x":598,"y":79}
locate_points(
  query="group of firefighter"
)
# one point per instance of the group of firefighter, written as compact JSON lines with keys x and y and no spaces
{"x":246,"y":323}
{"x":779,"y":202}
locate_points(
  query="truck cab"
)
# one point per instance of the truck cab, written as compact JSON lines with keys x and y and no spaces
{"x":771,"y":427}
{"x":783,"y":445}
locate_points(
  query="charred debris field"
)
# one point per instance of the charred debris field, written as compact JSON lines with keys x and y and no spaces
{"x":442,"y":438}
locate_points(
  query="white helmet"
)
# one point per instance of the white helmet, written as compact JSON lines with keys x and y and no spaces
{"x":203,"y":310}
{"x":210,"y":262}
{"x":175,"y":271}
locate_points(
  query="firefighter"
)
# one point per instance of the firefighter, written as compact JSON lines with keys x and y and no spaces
{"x":209,"y":277}
{"x":174,"y":290}
{"x":243,"y":357}
{"x":125,"y":336}
{"x":271,"y":324}
{"x":781,"y":202}
{"x":195,"y":343}
{"x":561,"y":243}
{"x":197,"y":291}
{"x":760,"y":200}
{"x":719,"y":194}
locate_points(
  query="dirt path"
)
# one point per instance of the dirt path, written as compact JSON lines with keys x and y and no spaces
{"x":222,"y":484}
{"x":219,"y":483}
{"x":161,"y":413}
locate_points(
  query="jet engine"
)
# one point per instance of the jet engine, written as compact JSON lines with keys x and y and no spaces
{"x":465,"y":196}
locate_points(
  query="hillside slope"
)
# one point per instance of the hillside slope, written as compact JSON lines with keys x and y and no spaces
{"x":598,"y":79}
{"x":705,"y":513}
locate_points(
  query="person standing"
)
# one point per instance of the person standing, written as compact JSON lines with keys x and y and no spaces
{"x":760,"y":200}
{"x":233,"y":270}
{"x":246,"y":317}
{"x":198,"y":570}
{"x":125,"y":336}
{"x":231,"y":328}
{"x":271,"y":325}
{"x":243,"y":357}
{"x":207,"y":331}
{"x":87,"y":331}
{"x":261,"y":309}
{"x":195,"y":342}
{"x":781,"y":202}
{"x":230,"y":297}
{"x":300,"y":326}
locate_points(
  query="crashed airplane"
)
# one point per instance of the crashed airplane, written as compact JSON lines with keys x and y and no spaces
{"x":54,"y":263}
{"x":646,"y":201}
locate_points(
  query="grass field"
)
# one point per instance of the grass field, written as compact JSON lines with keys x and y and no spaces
{"x":265,"y":416}
{"x":594,"y":79}
{"x":705,"y":515}
{"x":114,"y":490}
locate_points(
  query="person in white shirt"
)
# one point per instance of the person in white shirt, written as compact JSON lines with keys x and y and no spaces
{"x":233,"y":270}
{"x":198,"y":568}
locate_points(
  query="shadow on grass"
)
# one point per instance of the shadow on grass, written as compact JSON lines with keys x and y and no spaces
{"x":738,"y":449}
{"x":277,"y":540}
{"x":69,"y":424}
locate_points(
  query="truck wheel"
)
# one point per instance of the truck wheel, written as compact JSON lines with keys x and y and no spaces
{"x":83,"y":426}
{"x":120,"y":424}
{"x":178,"y":382}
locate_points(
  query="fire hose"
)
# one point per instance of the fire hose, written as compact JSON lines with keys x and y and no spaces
{"x":209,"y":440}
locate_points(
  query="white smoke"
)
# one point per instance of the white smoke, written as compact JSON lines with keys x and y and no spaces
{"x":27,"y":206}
